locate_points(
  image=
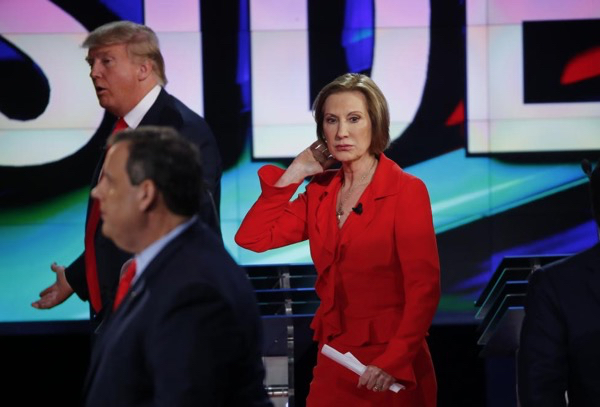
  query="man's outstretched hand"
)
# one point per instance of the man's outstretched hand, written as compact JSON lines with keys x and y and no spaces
{"x":57,"y":293}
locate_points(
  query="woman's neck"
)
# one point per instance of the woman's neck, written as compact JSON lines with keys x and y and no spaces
{"x":357,"y":171}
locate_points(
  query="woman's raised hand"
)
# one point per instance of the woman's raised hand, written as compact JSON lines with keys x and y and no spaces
{"x":321,"y":154}
{"x":312,"y":160}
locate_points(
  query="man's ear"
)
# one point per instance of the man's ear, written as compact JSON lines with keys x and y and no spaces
{"x":147,"y":195}
{"x":145,"y":69}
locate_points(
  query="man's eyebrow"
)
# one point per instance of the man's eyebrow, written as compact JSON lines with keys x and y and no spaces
{"x":101,"y":54}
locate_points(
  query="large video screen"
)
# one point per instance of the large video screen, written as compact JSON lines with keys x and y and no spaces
{"x":492,"y":105}
{"x":532,"y":76}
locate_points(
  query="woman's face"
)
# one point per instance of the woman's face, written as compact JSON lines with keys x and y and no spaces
{"x":347,"y":126}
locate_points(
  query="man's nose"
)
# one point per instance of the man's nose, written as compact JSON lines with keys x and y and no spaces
{"x":96,"y":190}
{"x":94,"y":70}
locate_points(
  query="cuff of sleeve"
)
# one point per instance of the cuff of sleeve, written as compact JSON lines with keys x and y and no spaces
{"x":268,"y":175}
{"x":74,"y":276}
{"x":404,"y":375}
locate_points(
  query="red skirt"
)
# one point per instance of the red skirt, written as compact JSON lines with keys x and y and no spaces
{"x":333,"y":385}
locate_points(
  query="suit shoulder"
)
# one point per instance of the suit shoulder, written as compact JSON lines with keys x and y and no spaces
{"x":395,"y":174}
{"x":576,"y":261}
{"x":173,"y":112}
{"x":203,"y":243}
{"x":566,"y":272}
{"x":408,"y":179}
{"x":406,"y":183}
{"x":208,"y":264}
{"x":185,"y":111}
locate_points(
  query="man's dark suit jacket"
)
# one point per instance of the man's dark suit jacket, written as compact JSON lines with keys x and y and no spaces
{"x":188,"y":333}
{"x":560,"y":337}
{"x":166,"y":111}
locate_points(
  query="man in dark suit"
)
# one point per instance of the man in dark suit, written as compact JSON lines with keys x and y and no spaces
{"x":559,"y":354}
{"x":187,"y":331}
{"x":128,"y":73}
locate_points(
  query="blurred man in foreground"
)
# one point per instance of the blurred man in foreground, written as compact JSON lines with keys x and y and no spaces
{"x":185,"y":329}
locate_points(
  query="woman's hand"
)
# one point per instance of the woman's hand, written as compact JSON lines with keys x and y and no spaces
{"x":375,"y":379}
{"x":321,"y":154}
{"x":313,"y":160}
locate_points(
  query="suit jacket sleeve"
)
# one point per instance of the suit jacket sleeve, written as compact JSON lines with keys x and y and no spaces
{"x":542,"y":356}
{"x":202,"y":135}
{"x":75,"y":275}
{"x":417,"y":251}
{"x":273,"y":221}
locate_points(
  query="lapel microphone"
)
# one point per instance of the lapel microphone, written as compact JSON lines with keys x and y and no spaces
{"x":358,"y":210}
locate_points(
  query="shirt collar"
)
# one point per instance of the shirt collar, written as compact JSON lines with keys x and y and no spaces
{"x":144,"y":258}
{"x":135,"y":116}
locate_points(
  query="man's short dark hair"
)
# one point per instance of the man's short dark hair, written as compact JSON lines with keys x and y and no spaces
{"x":173,"y":163}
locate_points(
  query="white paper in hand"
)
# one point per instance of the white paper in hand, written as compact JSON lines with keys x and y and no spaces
{"x":350,"y":362}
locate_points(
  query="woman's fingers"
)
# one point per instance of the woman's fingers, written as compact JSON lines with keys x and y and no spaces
{"x":375,"y":379}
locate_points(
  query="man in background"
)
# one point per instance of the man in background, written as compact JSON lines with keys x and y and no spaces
{"x":185,"y":328}
{"x":128,"y":73}
{"x":559,"y":354}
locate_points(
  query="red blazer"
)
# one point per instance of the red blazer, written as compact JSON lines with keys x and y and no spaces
{"x":378,"y":276}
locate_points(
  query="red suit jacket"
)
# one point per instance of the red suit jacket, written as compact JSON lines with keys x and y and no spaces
{"x":378,"y":276}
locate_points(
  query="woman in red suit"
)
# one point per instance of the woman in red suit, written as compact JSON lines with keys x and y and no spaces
{"x":372,"y":241}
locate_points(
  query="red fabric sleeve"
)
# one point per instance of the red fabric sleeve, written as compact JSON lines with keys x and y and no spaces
{"x":417,"y":251}
{"x":273,"y":221}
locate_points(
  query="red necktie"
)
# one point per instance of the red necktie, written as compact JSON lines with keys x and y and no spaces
{"x":91,"y":273}
{"x":120,"y":125}
{"x":124,"y":284}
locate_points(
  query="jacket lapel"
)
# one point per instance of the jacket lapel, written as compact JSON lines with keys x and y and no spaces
{"x":325,"y":210}
{"x":154,"y":116}
{"x":385,"y":183}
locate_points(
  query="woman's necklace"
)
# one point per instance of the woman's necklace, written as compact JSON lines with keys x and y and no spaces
{"x":340,"y":209}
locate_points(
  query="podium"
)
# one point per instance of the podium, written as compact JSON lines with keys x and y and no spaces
{"x":500,"y":311}
{"x":500,"y":307}
{"x":287,"y":302}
